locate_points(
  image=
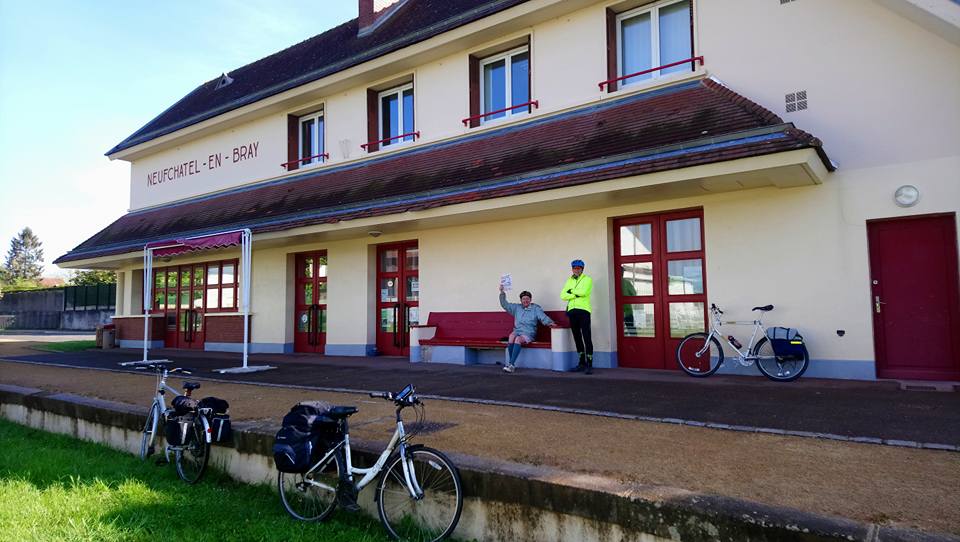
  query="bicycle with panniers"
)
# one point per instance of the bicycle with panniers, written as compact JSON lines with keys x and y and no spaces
{"x":418,"y":491}
{"x":188,"y":426}
{"x":780,"y":354}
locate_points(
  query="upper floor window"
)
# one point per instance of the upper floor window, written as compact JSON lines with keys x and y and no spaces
{"x":505,"y":83}
{"x":396,"y":115}
{"x":305,"y":140}
{"x":652,"y":36}
{"x":311,"y":139}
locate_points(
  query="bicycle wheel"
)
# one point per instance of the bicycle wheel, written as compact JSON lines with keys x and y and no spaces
{"x":311,"y":496}
{"x":192,"y":457}
{"x":149,"y":437}
{"x":433,"y":515}
{"x":774,"y":369}
{"x":698,"y":358}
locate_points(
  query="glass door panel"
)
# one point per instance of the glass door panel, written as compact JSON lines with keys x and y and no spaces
{"x":310,"y":311}
{"x":398,"y":296}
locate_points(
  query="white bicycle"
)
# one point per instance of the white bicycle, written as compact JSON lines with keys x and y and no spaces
{"x":700,"y":354}
{"x":419,"y":496}
{"x":192,"y":455}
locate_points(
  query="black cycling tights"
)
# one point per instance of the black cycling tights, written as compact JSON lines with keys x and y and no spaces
{"x":580,"y":325}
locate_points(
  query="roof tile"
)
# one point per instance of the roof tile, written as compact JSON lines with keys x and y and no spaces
{"x":689,"y":124}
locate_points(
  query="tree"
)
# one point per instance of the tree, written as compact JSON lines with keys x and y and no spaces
{"x":24,"y":259}
{"x":90,"y":277}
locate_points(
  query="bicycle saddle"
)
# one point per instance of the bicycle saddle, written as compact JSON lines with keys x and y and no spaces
{"x":191,"y":385}
{"x":339,"y":412}
{"x":764,"y":308}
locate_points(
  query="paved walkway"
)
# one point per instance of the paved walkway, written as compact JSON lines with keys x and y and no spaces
{"x":872,"y":411}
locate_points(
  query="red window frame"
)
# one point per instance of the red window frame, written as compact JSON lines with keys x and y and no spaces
{"x":218,"y":265}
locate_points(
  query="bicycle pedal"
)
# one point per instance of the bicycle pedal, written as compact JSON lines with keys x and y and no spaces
{"x":347,"y":498}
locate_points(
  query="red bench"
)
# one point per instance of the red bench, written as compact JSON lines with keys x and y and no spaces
{"x":483,"y":329}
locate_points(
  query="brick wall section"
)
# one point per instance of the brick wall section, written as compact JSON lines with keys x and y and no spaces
{"x":131,"y":329}
{"x":224,"y":329}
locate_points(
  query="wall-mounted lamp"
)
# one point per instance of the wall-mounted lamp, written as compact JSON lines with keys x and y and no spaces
{"x":374,"y":233}
{"x":906,"y":196}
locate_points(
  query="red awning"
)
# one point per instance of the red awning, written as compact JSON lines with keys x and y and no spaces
{"x":179,"y":246}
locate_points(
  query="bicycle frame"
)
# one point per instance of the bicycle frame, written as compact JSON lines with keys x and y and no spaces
{"x":158,"y":400}
{"x":399,"y":438}
{"x":744,"y":357}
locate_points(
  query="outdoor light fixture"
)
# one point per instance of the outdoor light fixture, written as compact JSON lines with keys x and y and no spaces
{"x":906,"y":196}
{"x":374,"y":233}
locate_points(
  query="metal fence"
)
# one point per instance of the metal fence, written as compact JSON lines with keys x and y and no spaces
{"x":83,"y":298}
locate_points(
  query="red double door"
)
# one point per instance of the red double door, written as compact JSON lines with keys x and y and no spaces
{"x":398,"y":296}
{"x":179,"y":294}
{"x":914,"y":297}
{"x":660,"y":286}
{"x":310,"y":307}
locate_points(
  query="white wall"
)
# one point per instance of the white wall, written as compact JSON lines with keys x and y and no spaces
{"x":881,"y":89}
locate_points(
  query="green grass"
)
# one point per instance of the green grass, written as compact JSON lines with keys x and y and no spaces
{"x":53,"y":487}
{"x":66,"y":346}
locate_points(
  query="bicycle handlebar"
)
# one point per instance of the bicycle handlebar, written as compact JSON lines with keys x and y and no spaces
{"x":159,"y":367}
{"x":409,"y":399}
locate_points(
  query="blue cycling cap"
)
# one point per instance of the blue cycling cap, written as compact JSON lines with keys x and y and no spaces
{"x":577,"y":263}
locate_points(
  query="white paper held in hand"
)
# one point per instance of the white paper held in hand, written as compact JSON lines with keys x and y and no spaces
{"x":506,"y":281}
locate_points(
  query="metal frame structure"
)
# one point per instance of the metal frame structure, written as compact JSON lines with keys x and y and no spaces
{"x":246,"y":253}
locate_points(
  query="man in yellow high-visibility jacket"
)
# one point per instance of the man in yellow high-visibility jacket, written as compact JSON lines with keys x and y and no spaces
{"x":576,"y":292}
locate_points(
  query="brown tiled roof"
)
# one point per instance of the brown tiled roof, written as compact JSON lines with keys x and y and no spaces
{"x":335,"y":50}
{"x":699,"y":122}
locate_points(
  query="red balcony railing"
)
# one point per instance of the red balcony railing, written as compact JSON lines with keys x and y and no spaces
{"x":644,"y":72}
{"x":286,"y":165}
{"x":534,"y":103}
{"x":401,"y":136}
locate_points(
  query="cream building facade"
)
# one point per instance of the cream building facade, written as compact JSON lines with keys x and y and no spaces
{"x":813,"y":228}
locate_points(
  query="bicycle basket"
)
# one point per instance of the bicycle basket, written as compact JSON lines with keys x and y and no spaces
{"x":787,"y":343}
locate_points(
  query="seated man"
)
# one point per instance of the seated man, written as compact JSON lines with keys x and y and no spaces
{"x":525,"y":317}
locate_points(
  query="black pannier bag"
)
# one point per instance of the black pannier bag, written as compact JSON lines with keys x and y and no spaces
{"x":184,"y":405}
{"x":305,"y":436}
{"x":787,"y":343}
{"x":293,"y":450}
{"x":215,"y":404}
{"x":177,"y":430}
{"x":221,"y":430}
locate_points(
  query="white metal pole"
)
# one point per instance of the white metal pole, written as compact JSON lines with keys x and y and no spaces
{"x":147,"y":296}
{"x":246,"y":240}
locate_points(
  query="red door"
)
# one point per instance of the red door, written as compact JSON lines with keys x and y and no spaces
{"x":182,"y":304}
{"x":310,"y":310}
{"x":660,"y":286}
{"x":398,"y":296}
{"x":914,"y":297}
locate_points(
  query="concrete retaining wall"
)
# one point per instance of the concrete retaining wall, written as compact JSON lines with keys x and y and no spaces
{"x":503,"y":502}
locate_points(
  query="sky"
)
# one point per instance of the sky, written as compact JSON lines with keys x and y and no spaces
{"x":76,"y":78}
